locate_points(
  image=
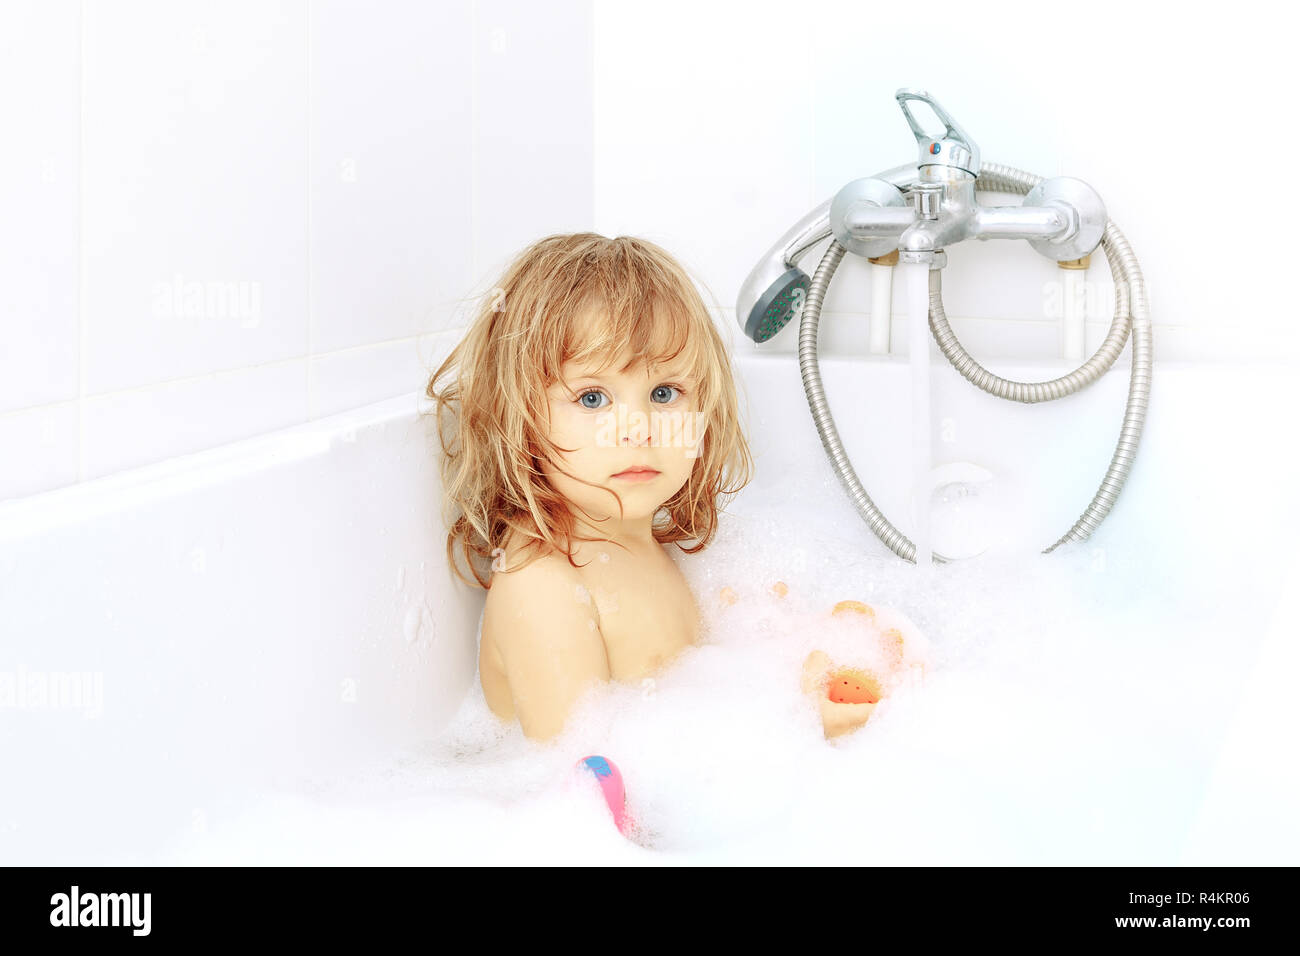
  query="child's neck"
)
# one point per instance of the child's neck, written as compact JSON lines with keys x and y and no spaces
{"x":635,"y":534}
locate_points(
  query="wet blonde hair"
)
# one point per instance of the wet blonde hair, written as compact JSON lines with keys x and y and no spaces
{"x":491,"y":414}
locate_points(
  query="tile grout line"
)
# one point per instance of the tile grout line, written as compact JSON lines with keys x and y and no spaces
{"x":230,"y":371}
{"x":311,"y":314}
{"x":812,"y":123}
{"x":473,"y":137}
{"x":81,"y":240}
{"x":591,"y":84}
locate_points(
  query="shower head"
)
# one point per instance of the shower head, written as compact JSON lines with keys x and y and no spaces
{"x":773,"y":293}
{"x":776,"y":305}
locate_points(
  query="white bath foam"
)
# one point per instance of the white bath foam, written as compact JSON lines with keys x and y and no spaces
{"x":1249,"y":815}
{"x":1071,"y":714}
{"x":482,"y":796}
{"x":466,"y":829}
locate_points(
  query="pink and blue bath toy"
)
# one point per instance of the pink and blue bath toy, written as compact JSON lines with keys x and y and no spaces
{"x":611,"y":786}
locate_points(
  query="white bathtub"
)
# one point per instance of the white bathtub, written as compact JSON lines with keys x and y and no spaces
{"x":256,"y":612}
{"x":280,"y":608}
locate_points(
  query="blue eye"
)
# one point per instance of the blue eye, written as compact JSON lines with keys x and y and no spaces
{"x":662,"y":394}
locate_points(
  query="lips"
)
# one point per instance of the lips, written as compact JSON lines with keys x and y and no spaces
{"x":637,"y":471}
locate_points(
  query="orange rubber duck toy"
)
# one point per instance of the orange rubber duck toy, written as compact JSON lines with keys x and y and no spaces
{"x":846,"y":695}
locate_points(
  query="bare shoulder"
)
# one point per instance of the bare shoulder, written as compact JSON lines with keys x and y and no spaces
{"x":542,"y":623}
{"x":541,"y":585}
{"x":516,"y":552}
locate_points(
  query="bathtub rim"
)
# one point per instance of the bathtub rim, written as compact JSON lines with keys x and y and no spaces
{"x":108,"y":494}
{"x":23,"y":516}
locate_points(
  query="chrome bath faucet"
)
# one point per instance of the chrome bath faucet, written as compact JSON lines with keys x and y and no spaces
{"x":1062,"y":218}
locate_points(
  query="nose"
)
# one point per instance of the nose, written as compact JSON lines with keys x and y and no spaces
{"x":635,"y":427}
{"x":637,"y":436}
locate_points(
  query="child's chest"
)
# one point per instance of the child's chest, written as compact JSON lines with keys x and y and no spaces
{"x":646,"y":611}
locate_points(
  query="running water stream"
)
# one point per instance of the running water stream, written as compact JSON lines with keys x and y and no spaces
{"x":916,"y":282}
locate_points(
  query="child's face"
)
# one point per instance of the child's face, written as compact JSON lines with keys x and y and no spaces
{"x":619,"y":420}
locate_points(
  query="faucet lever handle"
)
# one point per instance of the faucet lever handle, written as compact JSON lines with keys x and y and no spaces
{"x":954,"y":148}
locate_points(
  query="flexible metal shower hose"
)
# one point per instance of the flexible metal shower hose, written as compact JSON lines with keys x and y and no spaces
{"x":1130,"y":313}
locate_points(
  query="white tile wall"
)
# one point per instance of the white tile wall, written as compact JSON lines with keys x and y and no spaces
{"x":533,"y":156}
{"x":134,"y":427}
{"x":759,"y":115}
{"x":349,"y":378}
{"x":39,"y":52}
{"x":222,"y":220}
{"x":194,"y":173}
{"x":703,"y":131}
{"x":40,"y":448}
{"x":390,"y":168}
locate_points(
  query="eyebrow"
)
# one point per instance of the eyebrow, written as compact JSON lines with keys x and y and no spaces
{"x":676,"y":373}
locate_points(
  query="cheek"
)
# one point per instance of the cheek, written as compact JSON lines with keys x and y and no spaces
{"x":682,"y":432}
{"x":572,"y":428}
